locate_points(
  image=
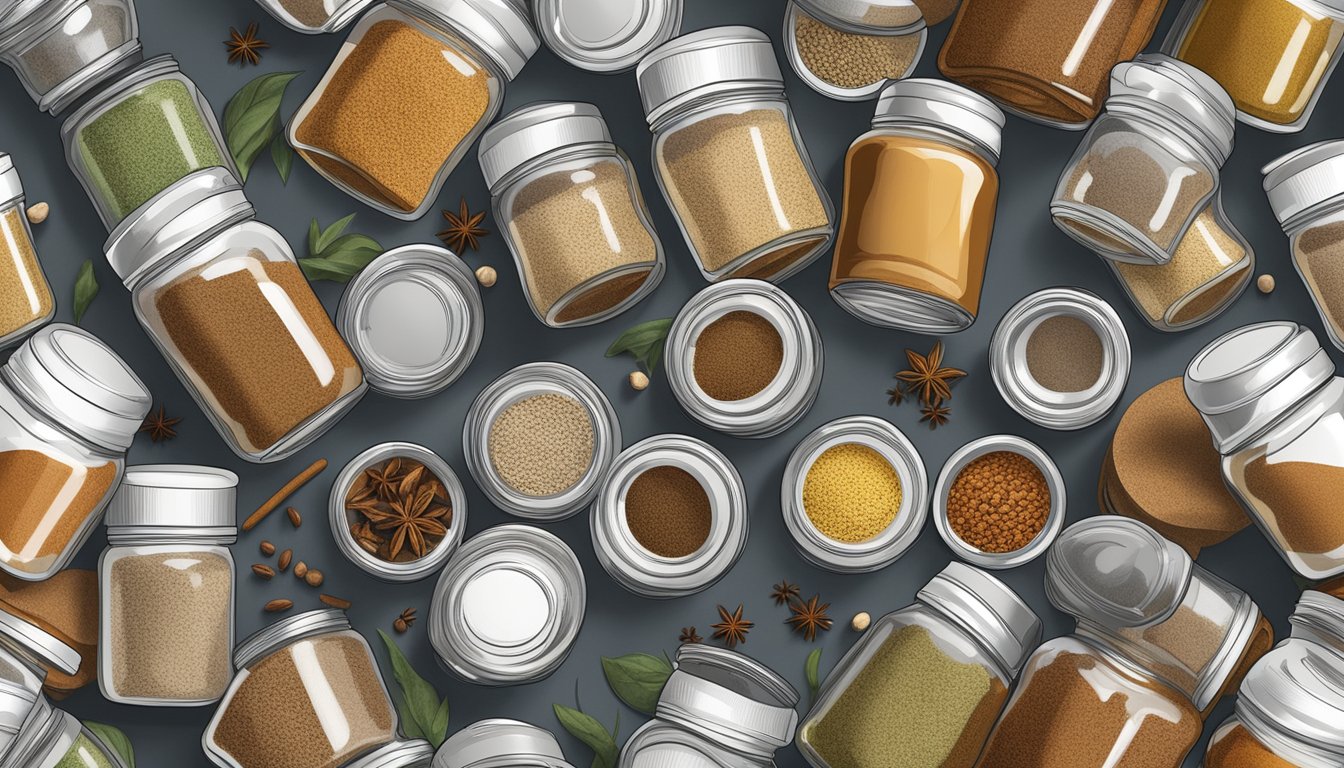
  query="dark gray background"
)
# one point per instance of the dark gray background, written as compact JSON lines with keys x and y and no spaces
{"x":1028,"y":253}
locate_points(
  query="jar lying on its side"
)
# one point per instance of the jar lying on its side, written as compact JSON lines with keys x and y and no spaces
{"x":1319,"y":617}
{"x":572,"y":213}
{"x":315,"y":17}
{"x":729,"y":158}
{"x":61,"y":49}
{"x":26,"y":302}
{"x":28,"y":656}
{"x":53,"y":737}
{"x":501,"y":742}
{"x":849,"y":50}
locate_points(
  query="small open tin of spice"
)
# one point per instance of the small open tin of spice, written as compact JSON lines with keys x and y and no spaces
{"x":315,"y":17}
{"x":855,"y":495}
{"x":606,"y":36}
{"x":1060,"y":358}
{"x":1037,"y":520}
{"x":851,"y":49}
{"x":744,"y":358}
{"x":501,"y":742}
{"x":343,"y":517}
{"x":539,"y":439}
{"x":671,"y":517}
{"x":508,"y":606}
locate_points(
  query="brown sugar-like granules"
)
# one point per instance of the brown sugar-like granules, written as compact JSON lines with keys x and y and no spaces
{"x":848,"y":60}
{"x":1064,"y":354}
{"x":312,"y":13}
{"x":1300,"y":500}
{"x":1237,"y":748}
{"x":34,"y":528}
{"x":66,"y":607}
{"x":25,"y":296}
{"x":999,"y":502}
{"x":542,"y":445}
{"x":1320,"y":255}
{"x":737,"y":356}
{"x":668,"y":511}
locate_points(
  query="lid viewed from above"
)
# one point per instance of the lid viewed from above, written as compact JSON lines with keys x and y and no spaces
{"x":606,"y":35}
{"x":1188,"y":95}
{"x":714,"y":60}
{"x":501,"y":743}
{"x":1301,"y":180}
{"x":175,"y":496}
{"x":535,"y":130}
{"x":11,"y":186}
{"x":36,"y":644}
{"x":1298,"y":689}
{"x":730,"y":699}
{"x":939,"y":103}
{"x":988,"y":609}
{"x":500,"y":28}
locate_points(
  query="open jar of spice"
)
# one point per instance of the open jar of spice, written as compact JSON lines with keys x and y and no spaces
{"x":69,"y":408}
{"x":26,"y":302}
{"x":414,"y":85}
{"x":1149,"y":165}
{"x":572,"y":213}
{"x":61,"y":49}
{"x":315,"y":17}
{"x":223,"y":298}
{"x":920,"y":195}
{"x":848,"y":49}
{"x":139,"y":135}
{"x":1319,"y":617}
{"x":729,"y":158}
{"x":1275,"y":408}
{"x":606,"y":36}
{"x":922,"y":687}
{"x":167,"y":587}
{"x":501,"y":742}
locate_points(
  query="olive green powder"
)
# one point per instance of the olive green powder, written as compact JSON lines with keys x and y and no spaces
{"x":83,"y":753}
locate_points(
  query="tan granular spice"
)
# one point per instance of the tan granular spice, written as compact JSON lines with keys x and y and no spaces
{"x":1180,"y":647}
{"x":999,"y":502}
{"x":571,"y":228}
{"x":847,"y":60}
{"x":1320,"y":253}
{"x":393,"y":111}
{"x":258,"y":344}
{"x":851,"y":493}
{"x":25,"y":296}
{"x":738,"y":183}
{"x":168,"y":618}
{"x":311,"y":13}
{"x":1064,"y":354}
{"x":1208,"y":266}
{"x":542,"y":445}
{"x":737,"y":356}
{"x":668,"y":511}
{"x":34,"y":530}
{"x":937,"y":11}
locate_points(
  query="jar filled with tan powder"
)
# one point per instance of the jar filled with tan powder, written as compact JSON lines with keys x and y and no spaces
{"x":572,"y":213}
{"x":313,"y":17}
{"x":728,"y":155}
{"x":849,"y":50}
{"x":25,"y":295}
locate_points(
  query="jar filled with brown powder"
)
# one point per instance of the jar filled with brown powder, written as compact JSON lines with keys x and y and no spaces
{"x":64,"y":607}
{"x":315,"y":16}
{"x":849,"y":50}
{"x":25,"y":296}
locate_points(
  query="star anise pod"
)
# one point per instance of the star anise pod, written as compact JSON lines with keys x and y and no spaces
{"x":809,"y":617}
{"x":733,"y":628}
{"x":896,"y":395}
{"x":935,"y":415}
{"x":245,"y":48}
{"x":159,"y":426}
{"x":404,"y":621}
{"x":689,"y":635}
{"x":464,"y":229}
{"x":927,"y":377}
{"x":411,"y":520}
{"x":784,"y":592}
{"x":385,"y":480}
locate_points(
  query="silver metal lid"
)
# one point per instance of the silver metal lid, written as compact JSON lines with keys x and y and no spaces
{"x":1319,"y":617}
{"x":709,"y":61}
{"x":535,"y":130}
{"x":267,"y":640}
{"x":1298,"y":687}
{"x":606,"y":35}
{"x":1247,"y":379}
{"x":413,"y":753}
{"x":508,"y":606}
{"x":175,"y":496}
{"x":1116,"y":572}
{"x":501,"y":743}
{"x":191,"y":210}
{"x":867,"y":17}
{"x":37,"y":644}
{"x":414,"y":319}
{"x":500,"y":28}
{"x":730,"y":699}
{"x":17,"y":703}
{"x":942,"y":104}
{"x":29,"y":21}
{"x":11,"y":186}
{"x":1301,"y":180}
{"x":79,"y":383}
{"x":988,"y":609}
{"x":1183,"y":93}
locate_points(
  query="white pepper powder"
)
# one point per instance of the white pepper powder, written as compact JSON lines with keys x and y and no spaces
{"x":542,"y":445}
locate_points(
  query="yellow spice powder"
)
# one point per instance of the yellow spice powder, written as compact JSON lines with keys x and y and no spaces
{"x":1208,"y":264}
{"x":851,"y":493}
{"x":25,"y":296}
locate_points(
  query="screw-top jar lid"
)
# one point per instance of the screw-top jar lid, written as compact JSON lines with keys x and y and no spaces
{"x":1304,"y":178}
{"x":730,"y":699}
{"x":988,"y":609}
{"x":1319,"y":617}
{"x":501,"y":743}
{"x":535,"y":130}
{"x":30,"y":20}
{"x":1246,"y":379}
{"x":79,"y":383}
{"x":413,"y":753}
{"x":28,"y":639}
{"x":606,"y":36}
{"x":867,"y":17}
{"x":17,"y":702}
{"x":11,"y":186}
{"x":500,"y":28}
{"x":285,"y":631}
{"x":1193,"y":99}
{"x":171,"y":497}
{"x":941,"y":104}
{"x":700,"y":63}
{"x":1298,"y":688}
{"x":1116,"y":572}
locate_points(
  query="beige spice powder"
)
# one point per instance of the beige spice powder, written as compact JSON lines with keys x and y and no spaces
{"x":1208,"y":265}
{"x":1321,"y":257}
{"x":542,"y":445}
{"x":848,"y":60}
{"x":25,"y":296}
{"x":1064,"y":354}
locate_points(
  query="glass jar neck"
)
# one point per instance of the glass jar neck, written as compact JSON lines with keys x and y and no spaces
{"x":201,"y":538}
{"x":1296,"y":419}
{"x":710,"y":97}
{"x":13,"y":398}
{"x":1148,"y":113}
{"x":941,"y":134}
{"x":1312,"y":215}
{"x":987,"y":653}
{"x":596,"y":149}
{"x":1282,"y":741}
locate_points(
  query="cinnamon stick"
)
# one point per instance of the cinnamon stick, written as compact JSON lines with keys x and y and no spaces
{"x":285,"y":492}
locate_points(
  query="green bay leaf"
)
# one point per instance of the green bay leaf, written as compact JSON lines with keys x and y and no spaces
{"x":86,"y":289}
{"x":114,"y":739}
{"x":252,"y":118}
{"x":588,"y":730}
{"x":420,"y":708}
{"x":637,"y":679}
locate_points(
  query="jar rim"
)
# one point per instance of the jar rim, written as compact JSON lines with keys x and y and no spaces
{"x":279,"y":634}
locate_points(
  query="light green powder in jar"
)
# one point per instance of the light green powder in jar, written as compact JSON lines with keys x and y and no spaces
{"x":83,"y":753}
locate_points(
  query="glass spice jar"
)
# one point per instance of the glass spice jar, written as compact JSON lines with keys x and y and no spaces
{"x":1149,"y":165}
{"x":849,"y":50}
{"x":69,"y":408}
{"x":923,"y":686}
{"x":728,"y":156}
{"x":223,"y":298}
{"x":166,"y":582}
{"x":606,"y":36}
{"x":29,"y":656}
{"x":26,"y":302}
{"x":1319,"y":617}
{"x":62,"y":48}
{"x":570,"y":208}
{"x":414,"y":85}
{"x":138,"y":135}
{"x":498,"y":742}
{"x":920,"y":195}
{"x":53,"y":738}
{"x":1275,"y":408}
{"x":315,"y":17}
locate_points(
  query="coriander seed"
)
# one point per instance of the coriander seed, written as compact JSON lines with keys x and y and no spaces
{"x":37,"y":213}
{"x":313,"y":578}
{"x":860,"y":621}
{"x":639,"y":381}
{"x":300,"y":569}
{"x":486,"y":276}
{"x":1265,"y":283}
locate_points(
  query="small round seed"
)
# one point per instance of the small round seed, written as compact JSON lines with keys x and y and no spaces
{"x":860,"y":621}
{"x":275,"y":606}
{"x":314,"y":578}
{"x":267,"y":548}
{"x":639,"y":381}
{"x":37,"y":213}
{"x":1265,"y":283}
{"x":295,"y":519}
{"x":285,"y":557}
{"x":486,"y":276}
{"x":401,"y":626}
{"x":264,"y":571}
{"x":300,"y":569}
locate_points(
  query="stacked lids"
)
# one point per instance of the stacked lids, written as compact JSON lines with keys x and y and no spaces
{"x":606,"y":35}
{"x":535,"y":130}
{"x":1319,"y":617}
{"x":81,"y":60}
{"x":1116,"y":572}
{"x":501,"y":743}
{"x":1185,"y":94}
{"x":1298,"y":689}
{"x":22,"y":645}
{"x":500,"y":28}
{"x":1301,"y":180}
{"x":987,"y":609}
{"x":413,"y":753}
{"x":945,"y":105}
{"x":730,"y":699}
{"x":11,"y":186}
{"x":714,"y":60}
{"x":167,"y":498}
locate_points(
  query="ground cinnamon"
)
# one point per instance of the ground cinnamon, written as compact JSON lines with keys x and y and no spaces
{"x":43,"y":517}
{"x":66,"y":607}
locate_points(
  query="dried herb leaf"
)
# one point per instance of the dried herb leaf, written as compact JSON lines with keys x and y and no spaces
{"x":86,"y":289}
{"x":644,"y":342}
{"x":423,"y":714}
{"x":113,"y":738}
{"x":812,"y":668}
{"x":335,"y":256}
{"x":588,"y":730}
{"x":282,"y":156}
{"x":637,"y":679}
{"x":252,"y":118}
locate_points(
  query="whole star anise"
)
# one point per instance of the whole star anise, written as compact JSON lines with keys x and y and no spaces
{"x":385,"y":480}
{"x":689,"y":635}
{"x":464,"y":229}
{"x":784,"y":592}
{"x":927,"y":377}
{"x":732,"y":629}
{"x":809,"y":617}
{"x":412,"y":518}
{"x":245,"y":48}
{"x":896,"y":395}
{"x":159,"y":426}
{"x":935,"y":415}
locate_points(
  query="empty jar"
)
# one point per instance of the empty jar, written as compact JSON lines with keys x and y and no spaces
{"x":729,"y":158}
{"x":166,"y":585}
{"x":920,"y":195}
{"x":606,"y":36}
{"x":69,"y":408}
{"x":314,"y":17}
{"x":414,"y":85}
{"x":1275,"y":407}
{"x":1149,"y":165}
{"x":139,"y":135}
{"x":500,"y":742}
{"x":572,"y":213}
{"x":848,"y":50}
{"x":223,"y":298}
{"x":26,"y":302}
{"x":61,"y":49}
{"x":923,"y":686}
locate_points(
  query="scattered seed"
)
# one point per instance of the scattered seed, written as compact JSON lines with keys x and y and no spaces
{"x":275,"y":606}
{"x":264,"y":571}
{"x":300,"y":569}
{"x":486,"y":276}
{"x":335,"y":602}
{"x":37,"y":213}
{"x":285,"y":557}
{"x":639,"y":381}
{"x":1265,"y":283}
{"x":314,"y":578}
{"x":295,"y":519}
{"x":267,"y":548}
{"x":404,"y":621}
{"x":860,"y":621}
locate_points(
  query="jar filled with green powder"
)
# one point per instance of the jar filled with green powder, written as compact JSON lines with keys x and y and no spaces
{"x":52,"y":737}
{"x":140,"y":134}
{"x":923,"y":687}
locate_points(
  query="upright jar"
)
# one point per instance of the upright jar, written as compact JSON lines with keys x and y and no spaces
{"x":139,"y":135}
{"x":1046,"y":60}
{"x":1288,"y":713}
{"x":923,"y":686}
{"x":1276,"y":411}
{"x":225,"y":301}
{"x":918,"y":212}
{"x":167,"y":587}
{"x":69,"y":408}
{"x":848,"y":50}
{"x":1149,"y":165}
{"x":729,"y":158}
{"x":1306,"y":191}
{"x":1273,"y":56}
{"x":307,"y":694}
{"x":1319,"y":617}
{"x":719,"y":709}
{"x":500,"y":742}
{"x":413,"y":86}
{"x":608,"y":36}
{"x":315,"y":17}
{"x":571,"y":210}
{"x":53,"y":738}
{"x":61,"y":49}
{"x":26,"y":302}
